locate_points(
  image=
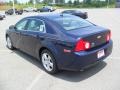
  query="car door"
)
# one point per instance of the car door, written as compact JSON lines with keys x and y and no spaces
{"x":16,"y":34}
{"x":31,"y":40}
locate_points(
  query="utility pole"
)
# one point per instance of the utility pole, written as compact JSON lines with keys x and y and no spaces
{"x":13,"y":7}
{"x":108,"y":3}
{"x":34,"y":3}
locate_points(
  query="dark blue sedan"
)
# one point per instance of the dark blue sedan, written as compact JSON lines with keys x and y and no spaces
{"x":60,"y":41}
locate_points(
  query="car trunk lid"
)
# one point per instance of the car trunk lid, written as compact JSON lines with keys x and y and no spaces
{"x":95,"y":35}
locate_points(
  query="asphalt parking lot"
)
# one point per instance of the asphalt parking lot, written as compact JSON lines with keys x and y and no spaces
{"x":19,"y":71}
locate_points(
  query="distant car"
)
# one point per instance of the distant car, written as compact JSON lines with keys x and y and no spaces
{"x":30,"y":9}
{"x":2,"y":17}
{"x":60,"y":42}
{"x":11,"y":12}
{"x":83,"y":15}
{"x":47,"y":9}
{"x":19,"y":12}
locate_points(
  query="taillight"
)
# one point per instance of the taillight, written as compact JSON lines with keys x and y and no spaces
{"x":108,"y":37}
{"x":82,"y":45}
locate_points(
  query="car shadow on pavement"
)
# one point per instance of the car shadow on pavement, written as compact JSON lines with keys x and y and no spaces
{"x":71,"y":76}
{"x":29,"y":58}
{"x":77,"y":76}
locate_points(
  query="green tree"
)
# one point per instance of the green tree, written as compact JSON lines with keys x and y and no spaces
{"x":31,"y":1}
{"x":76,"y":2}
{"x":37,"y":1}
{"x":15,"y":1}
{"x":70,"y":2}
{"x":87,"y":1}
{"x":50,"y":1}
{"x":57,"y":1}
{"x":62,"y":1}
{"x":45,"y":1}
{"x":110,"y":1}
{"x":10,"y":3}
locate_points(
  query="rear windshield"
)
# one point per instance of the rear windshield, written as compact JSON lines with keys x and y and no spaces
{"x":71,"y":23}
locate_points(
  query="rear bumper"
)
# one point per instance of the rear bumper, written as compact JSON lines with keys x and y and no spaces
{"x":79,"y":60}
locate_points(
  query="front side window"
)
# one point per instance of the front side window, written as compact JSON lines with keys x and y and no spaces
{"x":36,"y":25}
{"x":71,"y":23}
{"x":21,"y":25}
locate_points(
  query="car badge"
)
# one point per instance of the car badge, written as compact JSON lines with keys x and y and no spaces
{"x":98,"y":37}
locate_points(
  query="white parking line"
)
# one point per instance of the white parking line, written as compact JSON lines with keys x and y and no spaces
{"x":34,"y":81}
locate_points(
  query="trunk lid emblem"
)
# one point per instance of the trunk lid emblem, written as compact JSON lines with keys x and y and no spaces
{"x":98,"y":37}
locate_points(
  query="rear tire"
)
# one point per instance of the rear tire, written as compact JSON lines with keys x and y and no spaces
{"x":49,"y":62}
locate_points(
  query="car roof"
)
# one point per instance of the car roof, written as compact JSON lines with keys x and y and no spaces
{"x":51,"y":15}
{"x":77,"y":11}
{"x":70,"y":10}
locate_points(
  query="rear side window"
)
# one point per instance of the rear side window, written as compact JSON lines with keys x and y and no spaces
{"x":36,"y":25}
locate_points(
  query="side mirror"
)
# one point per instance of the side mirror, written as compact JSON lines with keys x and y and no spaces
{"x":12,"y":27}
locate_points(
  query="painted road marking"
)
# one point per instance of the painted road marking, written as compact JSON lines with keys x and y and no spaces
{"x":35,"y":81}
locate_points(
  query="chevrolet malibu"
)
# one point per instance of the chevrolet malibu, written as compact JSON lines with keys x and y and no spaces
{"x":60,"y":41}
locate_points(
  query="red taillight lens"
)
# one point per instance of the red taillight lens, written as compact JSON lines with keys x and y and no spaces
{"x":108,"y":37}
{"x":82,"y":45}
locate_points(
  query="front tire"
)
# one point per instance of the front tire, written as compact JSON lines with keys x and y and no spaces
{"x":49,"y":62}
{"x":9,"y":43}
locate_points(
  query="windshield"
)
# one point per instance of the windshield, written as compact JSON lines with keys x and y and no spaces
{"x":71,"y":23}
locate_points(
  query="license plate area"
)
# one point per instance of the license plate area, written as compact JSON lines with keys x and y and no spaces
{"x":100,"y":54}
